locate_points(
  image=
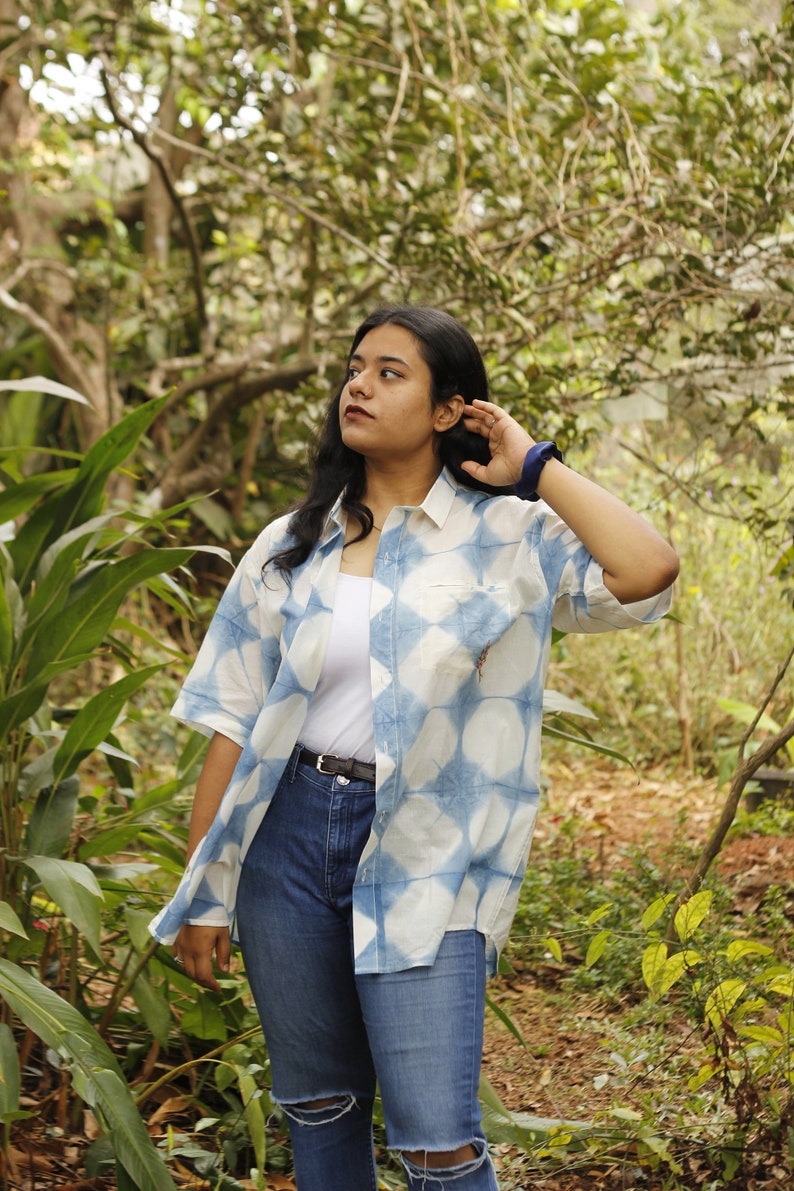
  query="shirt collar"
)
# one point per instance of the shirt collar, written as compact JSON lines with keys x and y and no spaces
{"x":437,"y":504}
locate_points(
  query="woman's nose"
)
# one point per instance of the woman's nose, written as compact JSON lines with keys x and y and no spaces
{"x":360,"y":385}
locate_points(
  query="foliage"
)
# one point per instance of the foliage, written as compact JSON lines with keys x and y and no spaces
{"x":68,"y":565}
{"x":732,"y":984}
{"x":650,"y":688}
{"x":212,"y":198}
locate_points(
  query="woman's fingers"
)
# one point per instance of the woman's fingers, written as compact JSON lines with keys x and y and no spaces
{"x":193,"y":951}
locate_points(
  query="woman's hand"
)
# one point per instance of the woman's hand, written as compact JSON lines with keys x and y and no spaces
{"x":193,"y":950}
{"x":507,"y":440}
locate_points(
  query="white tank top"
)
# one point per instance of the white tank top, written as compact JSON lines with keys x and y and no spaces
{"x":339,"y":719}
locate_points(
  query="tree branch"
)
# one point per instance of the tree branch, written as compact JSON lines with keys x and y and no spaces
{"x":177,"y":481}
{"x":160,"y":161}
{"x":744,"y":771}
{"x":256,"y":181}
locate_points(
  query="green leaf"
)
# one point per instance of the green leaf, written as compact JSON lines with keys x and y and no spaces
{"x":95,"y":720}
{"x":203,"y":1019}
{"x":625,"y":1114}
{"x":75,"y":889}
{"x":605,"y":751}
{"x":598,"y":945}
{"x":9,"y":1073}
{"x":93,"y":1065}
{"x":655,"y":910}
{"x":52,"y":818}
{"x":516,"y":1128}
{"x":598,"y":914}
{"x":706,"y":1071}
{"x":10,"y":921}
{"x":110,"y":842}
{"x":251,"y":1096}
{"x":555,"y":948}
{"x":81,"y":625}
{"x":660,"y":1146}
{"x":83,"y":499}
{"x":19,"y":497}
{"x":690,"y":915}
{"x":654,"y":958}
{"x":154,"y":1007}
{"x":57,"y":570}
{"x":505,"y":1019}
{"x":674,"y":968}
{"x":769,"y":1035}
{"x":556,"y":702}
{"x":6,"y":628}
{"x":745,"y":713}
{"x":721,"y":1001}
{"x":739,"y":948}
{"x":25,"y":702}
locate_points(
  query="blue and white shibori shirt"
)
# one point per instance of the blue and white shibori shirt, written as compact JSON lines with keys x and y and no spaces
{"x":465,"y":591}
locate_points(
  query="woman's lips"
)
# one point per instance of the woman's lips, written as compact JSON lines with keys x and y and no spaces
{"x":356,"y":411}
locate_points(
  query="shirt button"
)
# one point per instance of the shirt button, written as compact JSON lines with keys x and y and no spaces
{"x":383,"y":816}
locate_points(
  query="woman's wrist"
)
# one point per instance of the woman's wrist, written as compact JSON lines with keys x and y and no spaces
{"x":535,"y":460}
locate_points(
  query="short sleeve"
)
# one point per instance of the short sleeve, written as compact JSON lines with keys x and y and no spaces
{"x":235,"y":666}
{"x":582,"y":602}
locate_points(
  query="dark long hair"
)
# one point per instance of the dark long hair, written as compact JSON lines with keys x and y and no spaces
{"x":456,"y":366}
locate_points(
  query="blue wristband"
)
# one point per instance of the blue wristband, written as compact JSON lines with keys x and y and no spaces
{"x":537,"y":458}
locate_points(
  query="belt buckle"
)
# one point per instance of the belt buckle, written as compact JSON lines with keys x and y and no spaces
{"x":321,"y":760}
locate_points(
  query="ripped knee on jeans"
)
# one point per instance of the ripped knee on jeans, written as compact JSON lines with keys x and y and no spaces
{"x":444,"y":1165}
{"x":322,"y":1111}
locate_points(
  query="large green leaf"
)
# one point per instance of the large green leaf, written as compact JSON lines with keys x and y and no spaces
{"x":28,"y":699}
{"x":75,"y":889}
{"x":84,"y":498}
{"x":521,"y":1129}
{"x":586,"y":743}
{"x":6,"y":629}
{"x":96,"y":1072}
{"x":153,"y":1006}
{"x":95,"y":719}
{"x":9,"y":921}
{"x":9,"y":1074}
{"x":51,"y":820}
{"x":82,"y":624}
{"x":58,"y":566}
{"x":19,"y":497}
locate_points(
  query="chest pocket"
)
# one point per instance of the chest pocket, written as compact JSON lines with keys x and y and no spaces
{"x":460,"y":624}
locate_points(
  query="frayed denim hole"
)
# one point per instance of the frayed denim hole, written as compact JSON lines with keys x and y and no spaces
{"x":302,"y":1114}
{"x":428,"y":1176}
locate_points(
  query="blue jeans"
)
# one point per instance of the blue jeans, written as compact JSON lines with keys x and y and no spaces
{"x":332,"y":1034}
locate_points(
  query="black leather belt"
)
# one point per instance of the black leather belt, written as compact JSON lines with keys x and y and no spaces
{"x":347,"y":767}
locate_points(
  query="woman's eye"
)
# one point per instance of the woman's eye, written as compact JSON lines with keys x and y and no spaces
{"x":390,"y":372}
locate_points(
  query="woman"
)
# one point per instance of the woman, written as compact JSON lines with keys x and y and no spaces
{"x":373,"y":685}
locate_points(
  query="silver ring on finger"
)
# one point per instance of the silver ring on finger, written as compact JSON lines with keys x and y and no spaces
{"x":492,"y":423}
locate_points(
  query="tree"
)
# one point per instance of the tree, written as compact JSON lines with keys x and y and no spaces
{"x":226,"y":191}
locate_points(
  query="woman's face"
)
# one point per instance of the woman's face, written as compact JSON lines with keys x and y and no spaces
{"x":385,"y":411}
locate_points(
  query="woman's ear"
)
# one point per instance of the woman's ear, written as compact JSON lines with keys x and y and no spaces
{"x":449,"y":414}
